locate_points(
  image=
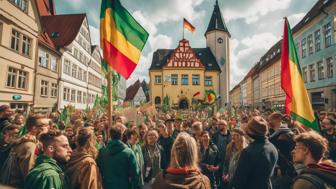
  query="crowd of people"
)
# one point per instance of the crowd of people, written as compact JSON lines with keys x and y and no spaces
{"x":175,"y":150}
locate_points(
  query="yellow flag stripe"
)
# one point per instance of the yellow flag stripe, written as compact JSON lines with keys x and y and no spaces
{"x":300,"y":101}
{"x":117,"y":39}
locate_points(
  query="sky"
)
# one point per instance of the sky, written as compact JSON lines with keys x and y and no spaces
{"x":254,"y":25}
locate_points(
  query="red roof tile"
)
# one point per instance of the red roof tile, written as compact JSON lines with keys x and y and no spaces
{"x":63,"y":29}
{"x":46,"y":40}
{"x":46,"y":7}
{"x":132,"y":90}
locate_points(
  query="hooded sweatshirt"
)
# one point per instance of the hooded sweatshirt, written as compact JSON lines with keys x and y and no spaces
{"x":118,"y":166}
{"x":46,"y":174}
{"x":83,"y":171}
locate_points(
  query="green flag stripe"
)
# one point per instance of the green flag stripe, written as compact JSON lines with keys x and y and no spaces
{"x":125,"y":23}
{"x":313,"y":125}
{"x":292,"y":49}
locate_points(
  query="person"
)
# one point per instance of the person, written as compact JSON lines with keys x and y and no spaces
{"x":9,"y":135}
{"x":117,"y":162}
{"x":19,"y":120}
{"x":82,"y":169}
{"x":233,"y":151}
{"x":69,"y":132}
{"x":24,"y":151}
{"x":328,"y":126}
{"x":47,"y":172}
{"x":166,"y":142}
{"x":197,"y":129}
{"x":131,"y":139}
{"x":142,"y":130}
{"x":310,"y":149}
{"x":154,"y":157}
{"x":257,"y":161}
{"x":283,"y":139}
{"x":183,"y":171}
{"x":5,"y":114}
{"x":209,"y":158}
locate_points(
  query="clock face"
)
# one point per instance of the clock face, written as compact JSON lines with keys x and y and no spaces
{"x":220,"y":40}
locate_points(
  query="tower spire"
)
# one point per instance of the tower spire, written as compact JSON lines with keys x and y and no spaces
{"x":217,"y":22}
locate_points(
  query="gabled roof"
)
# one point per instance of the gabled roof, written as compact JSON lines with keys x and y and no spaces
{"x":46,"y":7}
{"x":161,"y":56}
{"x":45,"y":39}
{"x":93,"y":47}
{"x":62,"y":29}
{"x":132,"y":90}
{"x":217,"y":22}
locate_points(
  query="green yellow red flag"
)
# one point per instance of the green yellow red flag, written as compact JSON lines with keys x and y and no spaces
{"x":297,"y":103}
{"x":122,"y":38}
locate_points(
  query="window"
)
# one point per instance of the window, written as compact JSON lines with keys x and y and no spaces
{"x":73,"y":95}
{"x":44,"y":88}
{"x":11,"y":77}
{"x":15,"y":40}
{"x":43,"y":58}
{"x":320,"y":70}
{"x":158,"y":79}
{"x":84,"y":98}
{"x":312,"y":72}
{"x":303,"y":47}
{"x":80,"y":73}
{"x":195,"y":79}
{"x":317,"y":40}
{"x":22,"y":79}
{"x":310,"y":44}
{"x":297,"y":46}
{"x":53,"y":64}
{"x":304,"y":74}
{"x":74,"y":71}
{"x":208,"y":81}
{"x":184,"y":80}
{"x":79,"y":96}
{"x":21,"y":4}
{"x":330,"y":67}
{"x":85,"y":76}
{"x":80,"y":56}
{"x":157,"y":100}
{"x":53,"y":90}
{"x":327,"y":35}
{"x":76,"y":53}
{"x":26,"y":45}
{"x":66,"y":94}
{"x":174,"y":79}
{"x":67,"y":66}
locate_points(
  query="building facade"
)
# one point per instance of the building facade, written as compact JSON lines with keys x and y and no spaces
{"x":95,"y":78}
{"x":135,"y":94}
{"x":19,"y":29}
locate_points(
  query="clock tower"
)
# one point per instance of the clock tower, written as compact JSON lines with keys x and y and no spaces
{"x":218,"y":40}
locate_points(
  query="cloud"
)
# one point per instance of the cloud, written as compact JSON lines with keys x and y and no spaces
{"x":141,"y":72}
{"x":246,"y":52}
{"x":295,"y":18}
{"x":252,"y":12}
{"x":95,"y":35}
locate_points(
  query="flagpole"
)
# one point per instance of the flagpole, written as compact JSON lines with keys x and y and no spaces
{"x":110,"y":99}
{"x":183,"y":29}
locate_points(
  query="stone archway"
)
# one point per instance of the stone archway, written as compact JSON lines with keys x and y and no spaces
{"x":184,"y":104}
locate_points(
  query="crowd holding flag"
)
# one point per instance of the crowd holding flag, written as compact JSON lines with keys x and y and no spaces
{"x":297,"y":102}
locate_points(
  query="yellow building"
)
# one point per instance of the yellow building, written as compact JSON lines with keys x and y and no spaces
{"x":19,"y":28}
{"x":185,"y":72}
{"x":235,"y":96}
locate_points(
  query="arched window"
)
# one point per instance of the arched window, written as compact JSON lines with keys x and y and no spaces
{"x":157,"y":100}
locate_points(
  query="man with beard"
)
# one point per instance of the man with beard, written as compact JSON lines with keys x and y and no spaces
{"x":5,"y":114}
{"x":47,"y":172}
{"x":24,"y":151}
{"x":9,"y":134}
{"x":329,"y":132}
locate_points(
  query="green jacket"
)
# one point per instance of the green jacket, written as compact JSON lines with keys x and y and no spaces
{"x":46,"y":174}
{"x":118,"y":166}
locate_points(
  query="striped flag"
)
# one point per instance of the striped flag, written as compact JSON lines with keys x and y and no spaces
{"x":122,"y":38}
{"x":188,"y":26}
{"x":297,"y":102}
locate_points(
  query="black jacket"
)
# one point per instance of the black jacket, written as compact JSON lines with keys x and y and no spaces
{"x":255,"y":165}
{"x":209,"y":156}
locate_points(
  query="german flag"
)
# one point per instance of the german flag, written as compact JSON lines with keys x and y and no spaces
{"x":122,"y":38}
{"x":188,"y":26}
{"x":297,"y":103}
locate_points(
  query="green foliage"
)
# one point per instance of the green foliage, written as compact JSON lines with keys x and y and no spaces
{"x":165,"y":104}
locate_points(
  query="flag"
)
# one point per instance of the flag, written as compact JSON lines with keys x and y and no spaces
{"x":188,"y":26}
{"x":210,"y":96}
{"x":122,"y":38}
{"x":196,"y":94}
{"x":297,"y":102}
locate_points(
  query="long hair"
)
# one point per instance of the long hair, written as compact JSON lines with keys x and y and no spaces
{"x":148,"y":132}
{"x":86,"y":141}
{"x":240,"y":144}
{"x":184,"y":152}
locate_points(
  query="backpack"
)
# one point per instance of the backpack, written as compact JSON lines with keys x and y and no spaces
{"x":318,"y":182}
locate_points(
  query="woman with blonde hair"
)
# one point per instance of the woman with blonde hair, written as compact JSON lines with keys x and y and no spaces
{"x":233,"y":150}
{"x":183,"y":171}
{"x":82,"y":168}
